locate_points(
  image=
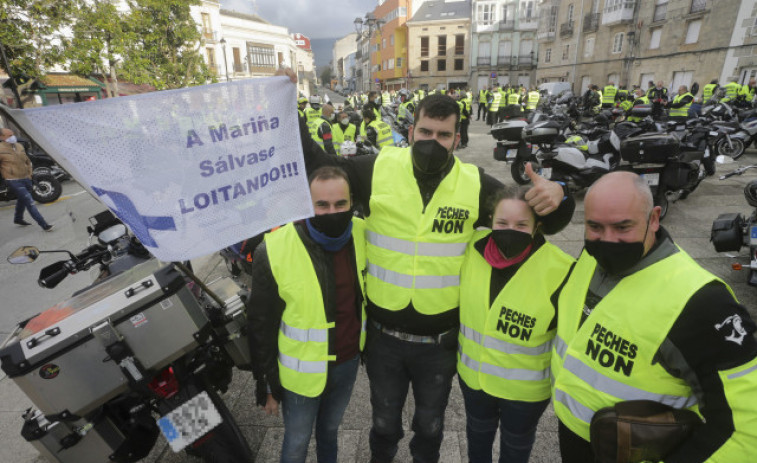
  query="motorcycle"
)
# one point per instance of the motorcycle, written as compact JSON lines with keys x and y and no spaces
{"x":732,"y":231}
{"x":148,"y":339}
{"x":45,"y":188}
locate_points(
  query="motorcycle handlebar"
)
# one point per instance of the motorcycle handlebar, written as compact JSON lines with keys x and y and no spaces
{"x":50,"y":276}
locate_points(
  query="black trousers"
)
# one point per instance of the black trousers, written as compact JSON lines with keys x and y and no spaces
{"x":573,"y":449}
{"x":481,"y":108}
{"x":464,"y":131}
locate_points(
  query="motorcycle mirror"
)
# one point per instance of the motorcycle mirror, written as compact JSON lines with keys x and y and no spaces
{"x":722,"y":159}
{"x":24,"y":255}
{"x":111,"y":234}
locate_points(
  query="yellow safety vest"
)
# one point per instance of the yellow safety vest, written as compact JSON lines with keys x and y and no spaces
{"x":415,"y":252}
{"x":707,"y":92}
{"x":340,"y":136}
{"x":533,"y":100}
{"x":513,"y":99}
{"x":314,"y":126}
{"x":311,"y":114}
{"x":421,"y":95}
{"x":496,"y":98}
{"x":608,"y":94}
{"x":731,"y":91}
{"x":304,"y":330}
{"x":505,"y":348}
{"x":386,"y":99}
{"x":383,"y":133}
{"x":683,"y":111}
{"x":404,"y":112}
{"x":461,"y":104}
{"x":482,"y":96}
{"x":610,"y":357}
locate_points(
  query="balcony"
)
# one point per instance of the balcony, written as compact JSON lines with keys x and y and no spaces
{"x":528,"y":23}
{"x":566,"y":29}
{"x":485,"y":26}
{"x":484,"y":61}
{"x":210,"y":36}
{"x":546,"y":35}
{"x":660,"y":11}
{"x":507,"y":25}
{"x":698,"y":6}
{"x":526,"y":61}
{"x":591,"y":22}
{"x":619,"y":12}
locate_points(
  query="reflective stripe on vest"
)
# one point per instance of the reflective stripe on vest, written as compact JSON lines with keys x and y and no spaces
{"x":415,"y":252}
{"x":340,"y":135}
{"x":496,"y":98}
{"x":313,"y":127}
{"x":533,"y":100}
{"x":608,"y":359}
{"x":513,"y":98}
{"x":303,"y":340}
{"x":383,"y":133}
{"x":482,"y":96}
{"x":608,"y":94}
{"x":707,"y":92}
{"x":683,"y":111}
{"x":312,"y":114}
{"x":506,"y":344}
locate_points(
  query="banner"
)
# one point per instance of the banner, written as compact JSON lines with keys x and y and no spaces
{"x":190,"y":171}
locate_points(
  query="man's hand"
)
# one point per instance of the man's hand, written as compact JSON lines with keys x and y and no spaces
{"x":287,"y":72}
{"x":545,"y":196}
{"x":271,"y":406}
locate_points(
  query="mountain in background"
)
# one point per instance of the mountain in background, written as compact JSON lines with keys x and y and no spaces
{"x":323,"y":50}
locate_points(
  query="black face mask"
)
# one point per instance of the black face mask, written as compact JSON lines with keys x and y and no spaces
{"x":332,"y":225}
{"x":429,"y":156}
{"x":615,"y":258}
{"x":511,"y":243}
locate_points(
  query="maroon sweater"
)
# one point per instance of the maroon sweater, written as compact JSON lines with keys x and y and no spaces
{"x":347,"y":331}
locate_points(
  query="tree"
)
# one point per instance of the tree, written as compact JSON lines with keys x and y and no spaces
{"x":165,"y":52}
{"x":31,"y":33}
{"x":325,"y":76}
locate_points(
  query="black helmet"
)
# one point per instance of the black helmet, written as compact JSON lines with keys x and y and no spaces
{"x":750,"y":193}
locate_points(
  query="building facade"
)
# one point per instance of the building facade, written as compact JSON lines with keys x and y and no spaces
{"x":439,"y":45}
{"x":632,"y":42}
{"x":503,"y":43}
{"x":343,"y":60}
{"x":389,"y":46}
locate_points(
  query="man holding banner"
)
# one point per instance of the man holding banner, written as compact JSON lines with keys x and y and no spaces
{"x":422,"y":205}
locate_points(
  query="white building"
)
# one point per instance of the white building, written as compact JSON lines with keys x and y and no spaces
{"x":340,"y":62}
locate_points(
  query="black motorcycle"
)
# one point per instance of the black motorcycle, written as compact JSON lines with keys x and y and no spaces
{"x":147,"y":340}
{"x":45,"y":188}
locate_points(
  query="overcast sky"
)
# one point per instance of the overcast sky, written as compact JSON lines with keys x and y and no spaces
{"x":314,"y":18}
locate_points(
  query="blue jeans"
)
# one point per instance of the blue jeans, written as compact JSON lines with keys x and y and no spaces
{"x":325,"y":411}
{"x":393,"y":365}
{"x":517,"y":421}
{"x":24,"y":201}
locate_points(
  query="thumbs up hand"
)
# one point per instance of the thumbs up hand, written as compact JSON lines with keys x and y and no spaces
{"x":545,"y":196}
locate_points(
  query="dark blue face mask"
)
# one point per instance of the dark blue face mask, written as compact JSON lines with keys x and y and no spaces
{"x":331,"y":231}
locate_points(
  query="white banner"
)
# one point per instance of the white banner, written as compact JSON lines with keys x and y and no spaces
{"x":190,"y":171}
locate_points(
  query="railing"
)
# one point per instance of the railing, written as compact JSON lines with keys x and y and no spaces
{"x":591,"y":22}
{"x":507,"y":25}
{"x":698,"y":5}
{"x":483,"y":60}
{"x":546,"y":35}
{"x":660,"y":11}
{"x":566,"y":29}
{"x":525,"y":60}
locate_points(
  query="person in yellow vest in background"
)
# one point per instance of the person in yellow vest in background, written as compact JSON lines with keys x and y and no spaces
{"x":747,"y":92}
{"x":302,"y":103}
{"x":731,"y":91}
{"x":532,"y":99}
{"x":307,"y":317}
{"x":514,"y":109}
{"x":374,"y":104}
{"x":678,"y":109}
{"x":406,"y":106}
{"x":639,"y":319}
{"x":709,"y":90}
{"x":507,"y":326}
{"x":420,"y":94}
{"x":386,"y":98}
{"x":483,"y":96}
{"x":608,"y":95}
{"x":377,"y":132}
{"x":314,"y":111}
{"x":343,"y":131}
{"x":505,"y":91}
{"x":494,"y":102}
{"x":465,"y":116}
{"x":321,"y":132}
{"x":640,"y":98}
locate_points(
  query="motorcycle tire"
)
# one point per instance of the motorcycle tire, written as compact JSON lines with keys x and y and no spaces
{"x":46,"y":188}
{"x":735,"y":150}
{"x":225,"y":443}
{"x":518,"y":171}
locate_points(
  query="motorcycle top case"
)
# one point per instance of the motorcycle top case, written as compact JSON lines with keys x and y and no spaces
{"x":510,"y":130}
{"x":541,"y":132}
{"x":59,"y":359}
{"x":653,"y":147}
{"x":641,"y":111}
{"x":726,"y":234}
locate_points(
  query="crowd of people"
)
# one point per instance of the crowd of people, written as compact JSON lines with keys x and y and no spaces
{"x":449,"y":273}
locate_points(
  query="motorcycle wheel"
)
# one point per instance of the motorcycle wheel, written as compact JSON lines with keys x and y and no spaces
{"x":735,"y":150}
{"x":225,"y":443}
{"x":518,"y":171}
{"x":46,"y":188}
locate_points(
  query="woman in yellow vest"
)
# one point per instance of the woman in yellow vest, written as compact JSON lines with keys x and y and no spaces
{"x":507,"y":323}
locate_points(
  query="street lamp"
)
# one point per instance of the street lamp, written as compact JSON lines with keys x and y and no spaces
{"x":366,"y":28}
{"x":225,"y":62}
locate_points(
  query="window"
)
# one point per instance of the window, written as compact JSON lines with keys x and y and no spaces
{"x":484,"y":50}
{"x":566,"y":51}
{"x":399,"y":62}
{"x":485,"y":13}
{"x":528,"y":8}
{"x":390,"y":63}
{"x":442,"y":45}
{"x":441,"y":65}
{"x":424,"y":65}
{"x":237,"y":59}
{"x":424,"y":46}
{"x":692,"y":31}
{"x":206,"y":29}
{"x":548,"y":55}
{"x":383,"y":43}
{"x":552,"y":18}
{"x":384,"y":66}
{"x":460,"y":44}
{"x":400,"y":12}
{"x":570,"y":13}
{"x":505,"y":51}
{"x":654,"y":41}
{"x":261,"y":56}
{"x":617,"y":42}
{"x":503,"y":18}
{"x":589,"y":47}
{"x":681,"y":78}
{"x":211,"y":54}
{"x":391,"y":40}
{"x":459,"y":62}
{"x":660,"y":10}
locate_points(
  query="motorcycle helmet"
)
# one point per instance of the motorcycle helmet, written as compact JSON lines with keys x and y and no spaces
{"x":348,"y":148}
{"x":750,"y":193}
{"x":315,"y":99}
{"x":301,"y":100}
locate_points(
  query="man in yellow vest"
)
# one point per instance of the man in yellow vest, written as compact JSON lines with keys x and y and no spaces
{"x":314,"y":111}
{"x":731,"y":91}
{"x":533,"y":99}
{"x":321,"y":132}
{"x":639,"y":319}
{"x":377,"y":132}
{"x":495,"y":99}
{"x":608,"y":95}
{"x":482,"y":99}
{"x":678,"y":109}
{"x":747,"y":92}
{"x":343,"y":131}
{"x":306,"y":317}
{"x":302,"y":103}
{"x":709,"y":90}
{"x":465,"y":115}
{"x":422,"y":205}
